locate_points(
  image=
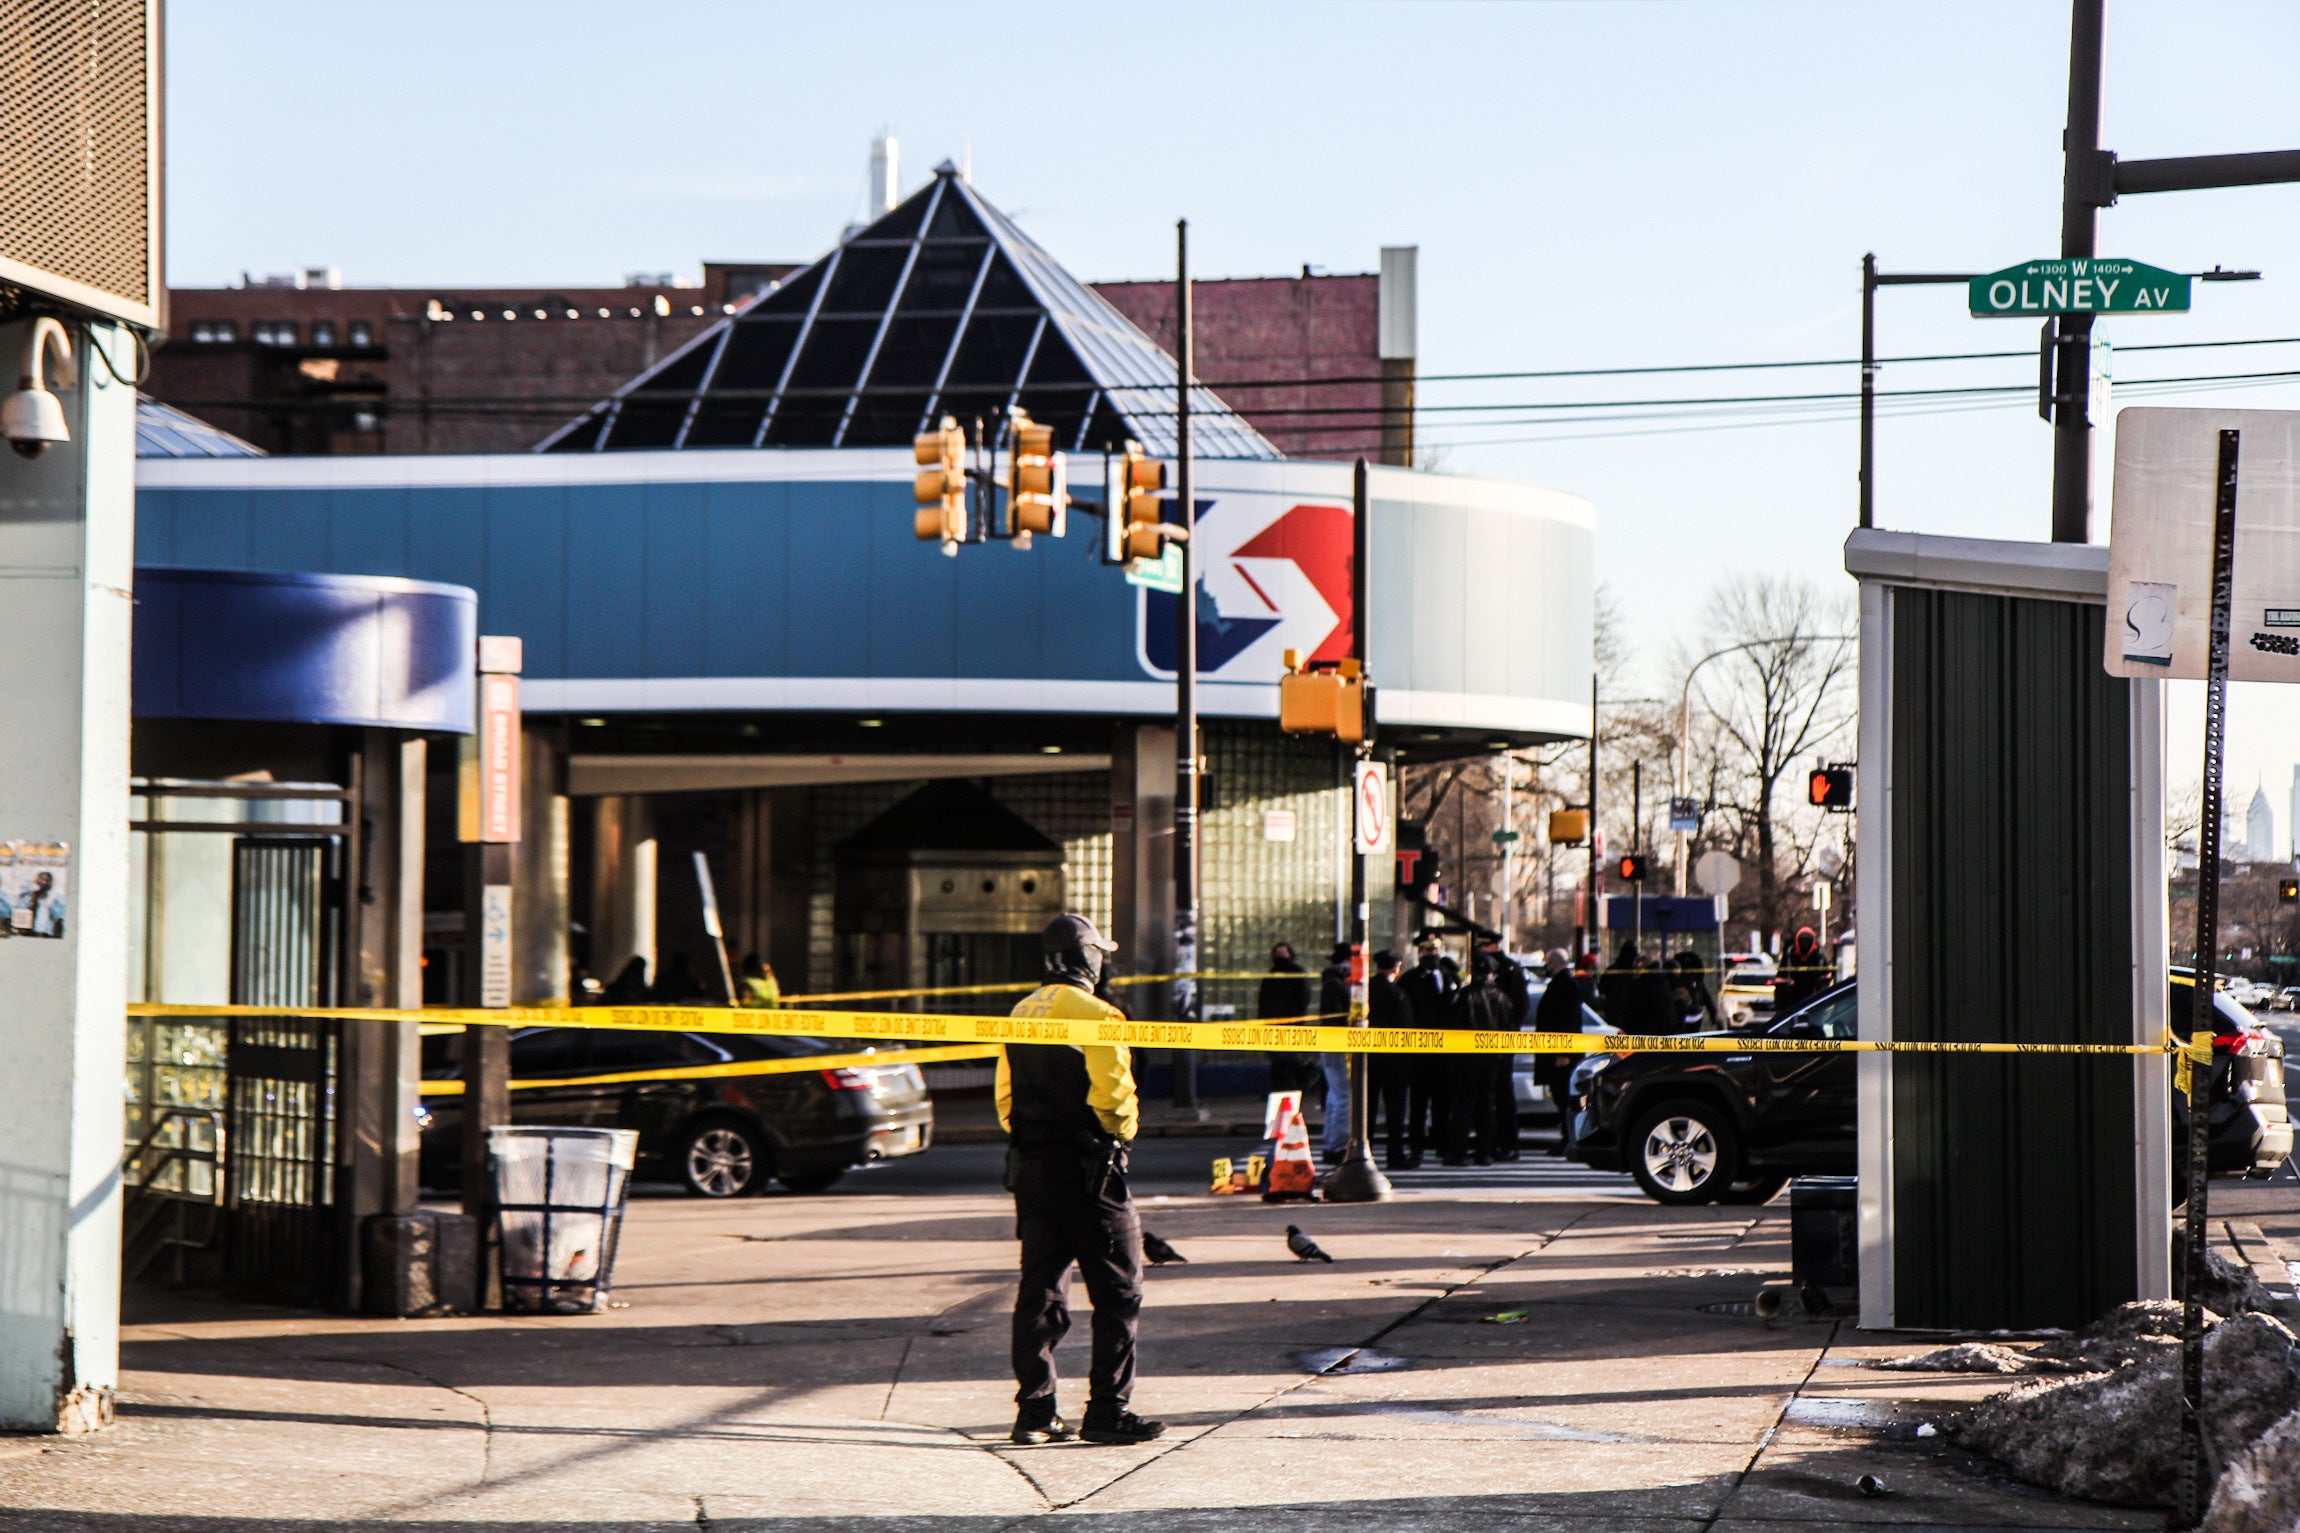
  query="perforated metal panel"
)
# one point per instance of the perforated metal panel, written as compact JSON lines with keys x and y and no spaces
{"x":79,"y":130}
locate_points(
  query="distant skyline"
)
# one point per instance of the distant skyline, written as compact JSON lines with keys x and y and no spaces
{"x":1590,"y":185}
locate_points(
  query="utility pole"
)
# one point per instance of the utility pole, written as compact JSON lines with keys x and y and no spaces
{"x":1357,"y":1179}
{"x":2072,"y":335}
{"x":1186,"y":995}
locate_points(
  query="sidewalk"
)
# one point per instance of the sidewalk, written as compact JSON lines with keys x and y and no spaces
{"x":810,"y":1363}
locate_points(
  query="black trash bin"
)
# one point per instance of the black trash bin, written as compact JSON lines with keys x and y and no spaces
{"x":1825,"y":1236}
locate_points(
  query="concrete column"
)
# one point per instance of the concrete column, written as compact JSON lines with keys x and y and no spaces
{"x":1142,"y":857}
{"x":67,"y":562}
{"x":539,"y":912}
{"x":622,"y":884}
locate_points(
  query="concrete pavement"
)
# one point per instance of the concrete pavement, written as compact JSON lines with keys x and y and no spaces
{"x":805,"y":1363}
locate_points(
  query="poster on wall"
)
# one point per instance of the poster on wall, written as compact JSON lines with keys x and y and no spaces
{"x":34,"y":885}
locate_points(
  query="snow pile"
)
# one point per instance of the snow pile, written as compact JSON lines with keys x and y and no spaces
{"x":2125,"y":1335}
{"x":2259,"y":1492}
{"x":2116,"y":1436}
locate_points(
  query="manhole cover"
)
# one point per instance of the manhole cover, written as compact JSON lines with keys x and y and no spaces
{"x":1731,"y":1307}
{"x":1350,"y":1360}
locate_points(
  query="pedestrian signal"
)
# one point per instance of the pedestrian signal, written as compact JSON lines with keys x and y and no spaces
{"x":1633,"y":868}
{"x":2288,"y":891}
{"x":1831,"y":788}
{"x":941,"y":485}
{"x":1328,"y":701}
{"x":1038,"y":486}
{"x":1135,"y":510}
{"x":1568,"y":827}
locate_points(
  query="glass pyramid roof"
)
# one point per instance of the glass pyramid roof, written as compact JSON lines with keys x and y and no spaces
{"x":941,"y":307}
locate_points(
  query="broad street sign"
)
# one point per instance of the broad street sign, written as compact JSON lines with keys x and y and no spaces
{"x":2160,"y":544}
{"x":2077,"y":286}
{"x":1163,"y":573}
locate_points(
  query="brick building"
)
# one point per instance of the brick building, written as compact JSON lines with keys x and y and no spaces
{"x":306,"y":366}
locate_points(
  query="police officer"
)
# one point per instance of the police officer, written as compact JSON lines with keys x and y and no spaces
{"x":1069,"y":1111}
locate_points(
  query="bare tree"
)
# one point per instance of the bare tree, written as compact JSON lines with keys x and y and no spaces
{"x":1783,"y":696}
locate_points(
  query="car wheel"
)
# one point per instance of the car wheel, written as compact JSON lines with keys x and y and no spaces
{"x":723,"y":1158}
{"x":1683,"y":1153}
{"x":1750,"y":1191}
{"x":813,"y":1181}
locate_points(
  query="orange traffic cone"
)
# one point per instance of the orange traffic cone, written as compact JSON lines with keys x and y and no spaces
{"x":1294,"y":1171}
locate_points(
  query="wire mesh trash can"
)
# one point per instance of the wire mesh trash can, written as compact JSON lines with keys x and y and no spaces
{"x":558,"y":1213}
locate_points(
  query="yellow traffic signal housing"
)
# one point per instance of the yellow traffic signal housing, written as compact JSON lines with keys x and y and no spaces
{"x":941,"y":486}
{"x":1038,"y":485}
{"x":1323,"y":702}
{"x":1137,"y":507}
{"x":1568,"y":827}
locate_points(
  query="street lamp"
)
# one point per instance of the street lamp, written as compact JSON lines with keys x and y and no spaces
{"x":1685,"y":714}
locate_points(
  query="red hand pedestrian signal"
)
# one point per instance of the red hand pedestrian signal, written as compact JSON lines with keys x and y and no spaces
{"x":1633,"y":868}
{"x":1830,"y":787}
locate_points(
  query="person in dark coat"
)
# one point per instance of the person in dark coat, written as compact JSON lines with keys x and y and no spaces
{"x":1429,"y":991}
{"x":680,"y":985}
{"x":1804,"y":973}
{"x":1617,"y":988}
{"x":1477,"y":1007}
{"x":629,"y":986}
{"x":1517,"y":998}
{"x":1559,"y":1011}
{"x":1334,"y":1002}
{"x":1392,"y":1075}
{"x":1689,"y":993}
{"x":1286,"y":993}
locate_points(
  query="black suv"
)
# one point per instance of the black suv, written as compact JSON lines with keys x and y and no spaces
{"x":721,"y":1135}
{"x":1731,"y":1128}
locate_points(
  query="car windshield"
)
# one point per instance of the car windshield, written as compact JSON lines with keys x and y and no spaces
{"x":1835,"y":1015}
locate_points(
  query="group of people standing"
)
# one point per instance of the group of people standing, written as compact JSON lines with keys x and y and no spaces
{"x":1462,"y":1107}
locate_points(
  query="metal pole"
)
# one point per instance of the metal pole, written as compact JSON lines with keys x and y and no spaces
{"x":2079,"y":218}
{"x":1868,"y":393}
{"x":1596,"y":912}
{"x":2195,"y":1476}
{"x":1637,"y":844}
{"x":1357,"y":1179}
{"x":1186,"y":997}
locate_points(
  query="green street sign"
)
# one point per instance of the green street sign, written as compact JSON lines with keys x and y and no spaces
{"x":1504,"y":837}
{"x":1163,"y":573}
{"x":2077,"y":286}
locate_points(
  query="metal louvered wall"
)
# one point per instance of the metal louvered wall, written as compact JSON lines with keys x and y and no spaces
{"x":79,"y":162}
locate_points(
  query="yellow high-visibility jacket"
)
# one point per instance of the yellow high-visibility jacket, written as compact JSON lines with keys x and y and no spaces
{"x":1052,"y":1093}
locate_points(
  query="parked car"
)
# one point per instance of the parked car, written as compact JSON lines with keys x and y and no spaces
{"x":2286,"y":999}
{"x":1702,"y":1128}
{"x":719,"y":1135}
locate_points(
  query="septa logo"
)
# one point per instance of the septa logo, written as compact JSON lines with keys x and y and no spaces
{"x":1273,"y":574}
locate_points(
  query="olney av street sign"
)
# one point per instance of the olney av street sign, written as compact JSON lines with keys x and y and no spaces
{"x":2077,"y":286}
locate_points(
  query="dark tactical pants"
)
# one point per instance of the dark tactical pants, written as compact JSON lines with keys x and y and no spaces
{"x":1061,"y":1220}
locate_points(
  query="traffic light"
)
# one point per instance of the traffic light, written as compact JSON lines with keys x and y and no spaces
{"x":1135,"y":507}
{"x":941,"y":485}
{"x":2288,"y":891}
{"x":1568,"y":827}
{"x":1038,"y":482}
{"x":1831,"y":788}
{"x":1633,"y":867}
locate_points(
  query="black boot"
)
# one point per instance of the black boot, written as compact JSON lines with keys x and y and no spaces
{"x":1033,"y":1427}
{"x":1124,"y":1427}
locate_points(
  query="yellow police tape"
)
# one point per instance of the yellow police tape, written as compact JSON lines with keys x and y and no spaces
{"x":1282,"y":1035}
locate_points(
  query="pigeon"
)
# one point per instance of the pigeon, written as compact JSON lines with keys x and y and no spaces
{"x":1303,"y":1247}
{"x":1159,"y":1252}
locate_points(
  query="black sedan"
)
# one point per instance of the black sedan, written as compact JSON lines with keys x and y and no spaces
{"x":719,"y":1132}
{"x":1731,"y":1128}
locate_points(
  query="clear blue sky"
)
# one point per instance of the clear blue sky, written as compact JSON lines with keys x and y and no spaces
{"x":1591,"y":185}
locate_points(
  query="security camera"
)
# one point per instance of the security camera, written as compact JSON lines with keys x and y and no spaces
{"x":32,"y":417}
